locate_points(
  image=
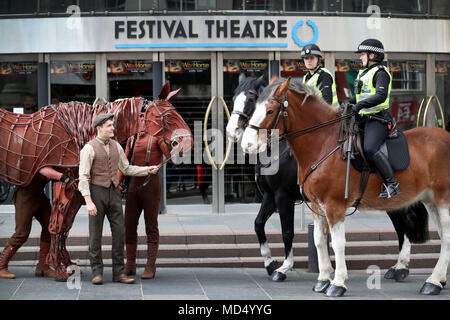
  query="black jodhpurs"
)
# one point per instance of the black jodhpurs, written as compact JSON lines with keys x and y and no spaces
{"x":375,"y":133}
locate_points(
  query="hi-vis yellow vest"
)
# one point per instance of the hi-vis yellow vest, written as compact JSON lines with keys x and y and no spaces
{"x":368,"y":90}
{"x":312,"y":82}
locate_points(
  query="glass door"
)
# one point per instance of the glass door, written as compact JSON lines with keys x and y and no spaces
{"x":239,"y":172}
{"x":207,"y":81}
{"x":190,"y":182}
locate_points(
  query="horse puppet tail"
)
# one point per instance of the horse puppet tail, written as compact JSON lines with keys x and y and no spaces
{"x":412,"y":222}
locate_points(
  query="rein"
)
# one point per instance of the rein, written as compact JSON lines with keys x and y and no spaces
{"x":295,"y":134}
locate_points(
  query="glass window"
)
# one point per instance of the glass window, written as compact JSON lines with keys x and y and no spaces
{"x":230,"y":5}
{"x":408,"y":90}
{"x":18,"y":86}
{"x":72,"y":81}
{"x":294,"y":68}
{"x":263,"y":5}
{"x":14,"y":6}
{"x":55,"y":6}
{"x":441,"y":7}
{"x":443,"y":89}
{"x":240,"y":173}
{"x":313,"y":5}
{"x":393,"y":6}
{"x":189,"y":183}
{"x":345,"y":75}
{"x":130,"y":78}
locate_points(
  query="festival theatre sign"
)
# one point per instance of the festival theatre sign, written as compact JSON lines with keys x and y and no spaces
{"x":215,"y":33}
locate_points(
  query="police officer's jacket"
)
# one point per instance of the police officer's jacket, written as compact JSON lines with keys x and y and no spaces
{"x":323,"y":82}
{"x":375,"y":87}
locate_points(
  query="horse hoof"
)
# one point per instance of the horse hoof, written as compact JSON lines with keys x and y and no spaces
{"x":321,"y":286}
{"x":272,"y":267}
{"x":335,"y":291}
{"x":390,"y":274}
{"x":401,"y":274}
{"x":443,"y":283}
{"x":430,"y":289}
{"x":278,"y":276}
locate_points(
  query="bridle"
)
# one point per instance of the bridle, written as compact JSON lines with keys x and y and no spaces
{"x":294,"y":134}
{"x":243,"y":114}
{"x":165,"y":126}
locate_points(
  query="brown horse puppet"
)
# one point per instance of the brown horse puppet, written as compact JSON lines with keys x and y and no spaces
{"x":312,"y":127}
{"x":147,"y":149}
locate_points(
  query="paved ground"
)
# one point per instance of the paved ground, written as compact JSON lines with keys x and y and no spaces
{"x":207,"y":283}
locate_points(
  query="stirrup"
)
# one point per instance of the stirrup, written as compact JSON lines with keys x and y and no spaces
{"x":389,"y":191}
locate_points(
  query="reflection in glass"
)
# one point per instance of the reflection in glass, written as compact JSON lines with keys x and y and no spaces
{"x":443,"y":88}
{"x":190,"y":182}
{"x":72,"y":81}
{"x":239,"y":172}
{"x":18,"y":86}
{"x":130,"y":78}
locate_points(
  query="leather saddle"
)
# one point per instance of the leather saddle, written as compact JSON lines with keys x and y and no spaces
{"x":395,"y":147}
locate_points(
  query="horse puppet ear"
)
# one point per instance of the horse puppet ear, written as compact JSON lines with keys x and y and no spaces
{"x":273,"y":79}
{"x":281,"y":90}
{"x":164,"y":91}
{"x":173,"y":94}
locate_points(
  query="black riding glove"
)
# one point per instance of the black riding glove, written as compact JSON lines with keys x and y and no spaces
{"x":68,"y":180}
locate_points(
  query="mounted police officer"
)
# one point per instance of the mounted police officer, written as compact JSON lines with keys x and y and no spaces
{"x":372,"y":89}
{"x":317,"y":77}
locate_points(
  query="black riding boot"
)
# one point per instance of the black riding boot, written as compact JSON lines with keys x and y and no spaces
{"x":387,"y":174}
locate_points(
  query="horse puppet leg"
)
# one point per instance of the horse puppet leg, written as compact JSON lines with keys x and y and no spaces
{"x":434,"y":284}
{"x":320,"y":240}
{"x":265,"y":211}
{"x":286,"y":208}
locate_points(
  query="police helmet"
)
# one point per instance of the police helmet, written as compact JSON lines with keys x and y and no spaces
{"x":311,"y":50}
{"x":374,"y":46}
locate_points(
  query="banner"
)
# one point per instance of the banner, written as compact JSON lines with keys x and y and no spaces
{"x":183,"y":66}
{"x":404,"y":112}
{"x":72,"y":67}
{"x":292,"y":68}
{"x":129,"y":66}
{"x":18,"y":68}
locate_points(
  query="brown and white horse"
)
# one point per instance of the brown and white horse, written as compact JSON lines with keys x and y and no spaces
{"x":299,"y":113}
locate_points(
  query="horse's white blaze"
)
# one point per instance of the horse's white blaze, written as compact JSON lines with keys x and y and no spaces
{"x":265,"y":252}
{"x":250,"y":141}
{"x":239,"y":104}
{"x":404,"y":255}
{"x":338,"y":242}
{"x":440,"y":270}
{"x":320,"y":240}
{"x":288,"y":263}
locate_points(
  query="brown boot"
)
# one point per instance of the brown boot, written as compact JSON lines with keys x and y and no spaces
{"x":130,"y":266}
{"x":42,"y":268}
{"x":150,"y":267}
{"x":5,"y":257}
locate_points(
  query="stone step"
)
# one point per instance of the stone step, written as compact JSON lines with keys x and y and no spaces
{"x":239,"y":250}
{"x":353,"y":262}
{"x":227,"y":237}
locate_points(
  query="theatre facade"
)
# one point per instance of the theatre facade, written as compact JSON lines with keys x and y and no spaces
{"x":50,"y":59}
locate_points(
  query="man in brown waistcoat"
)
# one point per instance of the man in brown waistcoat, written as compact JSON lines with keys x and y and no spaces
{"x":100,"y":159}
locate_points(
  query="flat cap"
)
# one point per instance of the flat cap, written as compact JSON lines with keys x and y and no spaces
{"x":101,"y":119}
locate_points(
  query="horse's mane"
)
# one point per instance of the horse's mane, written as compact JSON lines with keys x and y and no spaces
{"x":299,"y":87}
{"x":245,"y":85}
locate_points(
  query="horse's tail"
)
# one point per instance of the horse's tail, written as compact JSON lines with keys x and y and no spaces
{"x":412,"y":222}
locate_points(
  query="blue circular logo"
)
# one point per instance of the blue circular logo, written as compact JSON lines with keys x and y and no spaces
{"x":298,"y":25}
